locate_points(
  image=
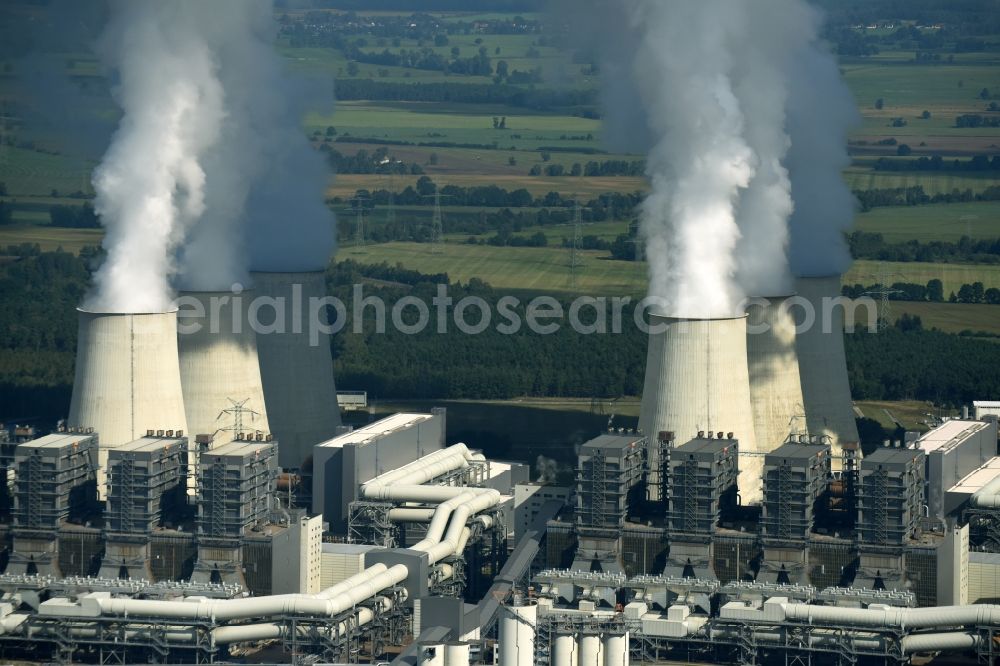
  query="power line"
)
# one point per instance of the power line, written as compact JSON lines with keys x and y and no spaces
{"x":883,"y":292}
{"x":575,"y":260}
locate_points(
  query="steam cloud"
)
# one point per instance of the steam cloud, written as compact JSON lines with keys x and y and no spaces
{"x":151,"y":185}
{"x":743,"y":112}
{"x":209,"y":174}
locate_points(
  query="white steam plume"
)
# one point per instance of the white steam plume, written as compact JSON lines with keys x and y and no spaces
{"x":699,"y":160}
{"x":151,"y":184}
{"x":821,"y":114}
{"x":265,"y":205}
{"x":748,"y":118}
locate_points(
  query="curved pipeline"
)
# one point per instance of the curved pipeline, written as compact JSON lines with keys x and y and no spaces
{"x":987,"y":497}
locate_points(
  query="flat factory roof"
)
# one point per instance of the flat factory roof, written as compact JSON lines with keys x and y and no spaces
{"x":890,"y":455}
{"x":703,"y":444}
{"x":989,"y":404}
{"x":949,"y":435}
{"x":238,"y":448}
{"x":57,"y":440}
{"x":376,"y":430}
{"x":150,"y":444}
{"x":614,"y":442}
{"x":796,"y":451}
{"x":977,"y":478}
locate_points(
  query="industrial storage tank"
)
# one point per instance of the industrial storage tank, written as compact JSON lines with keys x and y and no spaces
{"x":826,"y":391}
{"x":127,"y":378}
{"x":775,"y":387}
{"x":219,"y":367}
{"x":299,"y":391}
{"x":697,"y":381}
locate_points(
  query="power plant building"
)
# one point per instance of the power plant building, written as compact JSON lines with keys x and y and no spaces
{"x":343,"y":463}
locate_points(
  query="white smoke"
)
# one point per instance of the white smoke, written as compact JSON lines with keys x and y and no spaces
{"x":821,"y":114}
{"x":209,"y":173}
{"x":151,"y":183}
{"x":265,"y":205}
{"x":742,"y":111}
{"x":699,"y":160}
{"x":774,"y":30}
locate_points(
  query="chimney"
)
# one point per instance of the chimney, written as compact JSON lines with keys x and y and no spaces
{"x":696,"y":374}
{"x":826,"y":391}
{"x":127,"y":376}
{"x":297,"y":376}
{"x":221,"y":366}
{"x":775,"y":387}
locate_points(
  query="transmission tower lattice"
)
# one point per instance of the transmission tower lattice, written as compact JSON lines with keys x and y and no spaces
{"x":883,"y":292}
{"x":575,"y":260}
{"x":360,"y":235}
{"x":237,"y":411}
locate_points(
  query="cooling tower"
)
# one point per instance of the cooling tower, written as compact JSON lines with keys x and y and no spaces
{"x":826,"y":391}
{"x":775,"y":387}
{"x":298,"y":382}
{"x":127,"y":378}
{"x":697,"y":380}
{"x":219,"y":368}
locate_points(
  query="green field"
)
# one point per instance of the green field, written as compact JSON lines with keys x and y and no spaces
{"x":953,"y":275}
{"x":858,"y":178}
{"x":51,"y":238}
{"x":908,"y":87}
{"x":939,"y":222}
{"x":948,"y":317}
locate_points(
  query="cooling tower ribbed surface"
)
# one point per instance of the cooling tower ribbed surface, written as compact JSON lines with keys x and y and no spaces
{"x":127,"y":378}
{"x":697,"y":380}
{"x":298,"y":381}
{"x":218,"y":364}
{"x":826,"y":390}
{"x":775,"y":387}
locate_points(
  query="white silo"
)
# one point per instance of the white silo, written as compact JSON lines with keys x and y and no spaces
{"x":775,"y":387}
{"x":517,"y":633}
{"x":127,"y":378}
{"x":220,"y":373}
{"x":295,"y":364}
{"x":826,"y":391}
{"x":697,"y":381}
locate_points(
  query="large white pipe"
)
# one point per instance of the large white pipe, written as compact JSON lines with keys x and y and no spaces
{"x":564,"y":650}
{"x":616,"y":649}
{"x":517,"y":635}
{"x":987,"y":497}
{"x":408,"y":515}
{"x":953,"y":641}
{"x":356,"y":589}
{"x":894,"y":617}
{"x":421,"y":470}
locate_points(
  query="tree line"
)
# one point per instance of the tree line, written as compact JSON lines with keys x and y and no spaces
{"x":867,"y":245}
{"x":39,"y":292}
{"x":976,"y":293}
{"x":542,"y":98}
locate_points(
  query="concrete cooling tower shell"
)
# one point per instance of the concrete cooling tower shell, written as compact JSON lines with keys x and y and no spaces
{"x":299,"y":389}
{"x":127,"y":378}
{"x":697,"y":380}
{"x":775,"y":387}
{"x":826,"y":390}
{"x":219,"y":366}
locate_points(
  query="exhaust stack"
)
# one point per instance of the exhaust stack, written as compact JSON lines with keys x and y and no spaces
{"x":826,"y":391}
{"x":775,"y":387}
{"x":219,"y":366}
{"x":127,"y":379}
{"x":299,"y":389}
{"x":696,"y":381}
